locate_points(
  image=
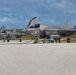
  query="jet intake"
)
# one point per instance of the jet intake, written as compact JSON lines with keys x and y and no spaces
{"x":55,"y":36}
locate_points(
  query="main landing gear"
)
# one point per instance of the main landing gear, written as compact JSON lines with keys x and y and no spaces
{"x":58,"y":40}
{"x":68,"y":40}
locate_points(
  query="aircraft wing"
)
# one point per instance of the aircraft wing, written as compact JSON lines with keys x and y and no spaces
{"x":61,"y":32}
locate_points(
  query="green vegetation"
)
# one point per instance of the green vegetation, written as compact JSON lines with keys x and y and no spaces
{"x":73,"y":36}
{"x":65,"y":39}
{"x":18,"y":30}
{"x":28,"y":37}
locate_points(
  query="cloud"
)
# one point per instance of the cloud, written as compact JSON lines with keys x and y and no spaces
{"x":10,"y":20}
{"x":63,"y":4}
{"x":71,"y":11}
{"x":40,"y":6}
{"x":53,"y":21}
{"x":18,"y":11}
{"x":6,"y":19}
{"x":7,"y":9}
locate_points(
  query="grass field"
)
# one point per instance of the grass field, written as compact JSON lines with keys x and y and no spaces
{"x":65,"y":39}
{"x":73,"y":38}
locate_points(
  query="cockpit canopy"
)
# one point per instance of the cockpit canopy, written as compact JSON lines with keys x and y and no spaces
{"x":35,"y":26}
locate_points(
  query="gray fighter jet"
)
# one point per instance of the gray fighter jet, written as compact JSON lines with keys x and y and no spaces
{"x":3,"y":33}
{"x":9,"y":35}
{"x":52,"y":32}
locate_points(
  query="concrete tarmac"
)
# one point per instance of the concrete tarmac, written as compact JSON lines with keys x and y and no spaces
{"x":38,"y":59}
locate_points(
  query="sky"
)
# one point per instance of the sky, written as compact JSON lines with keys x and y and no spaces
{"x":17,"y":13}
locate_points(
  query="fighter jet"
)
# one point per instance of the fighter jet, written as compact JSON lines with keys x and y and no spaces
{"x":2,"y":33}
{"x":9,"y":35}
{"x":52,"y":32}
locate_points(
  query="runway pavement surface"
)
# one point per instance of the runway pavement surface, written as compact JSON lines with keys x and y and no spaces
{"x":38,"y":59}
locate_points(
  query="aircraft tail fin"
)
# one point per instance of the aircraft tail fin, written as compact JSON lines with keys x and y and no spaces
{"x":3,"y":30}
{"x":14,"y":30}
{"x":32,"y":22}
{"x":74,"y":27}
{"x":64,"y":24}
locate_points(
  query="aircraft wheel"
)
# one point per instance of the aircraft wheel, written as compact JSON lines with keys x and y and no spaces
{"x":68,"y":40}
{"x":52,"y":41}
{"x":59,"y":40}
{"x":8,"y":40}
{"x":20,"y":40}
